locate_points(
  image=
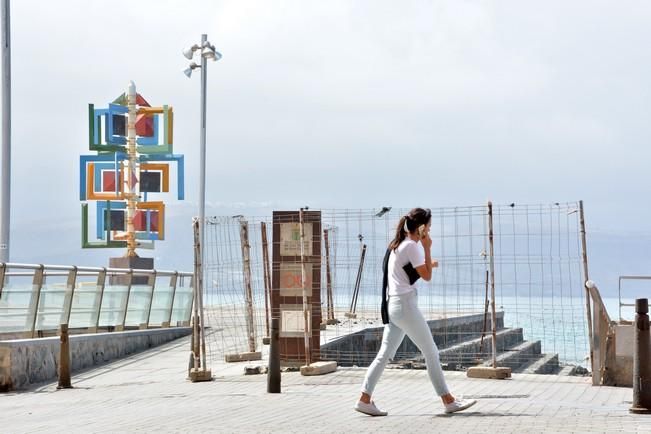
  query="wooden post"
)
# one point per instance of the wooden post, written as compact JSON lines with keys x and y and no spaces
{"x":329,"y":299}
{"x":64,"y":359}
{"x":195,"y":305}
{"x":306,"y":308}
{"x":198,"y":356}
{"x":266,"y":272}
{"x":273,"y":373}
{"x":586,"y":277}
{"x":493,"y":371}
{"x":248,"y":291}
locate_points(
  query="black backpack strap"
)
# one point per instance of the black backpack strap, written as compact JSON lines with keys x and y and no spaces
{"x":385,"y":283}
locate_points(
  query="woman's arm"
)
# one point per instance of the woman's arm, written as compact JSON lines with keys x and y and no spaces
{"x":425,"y":270}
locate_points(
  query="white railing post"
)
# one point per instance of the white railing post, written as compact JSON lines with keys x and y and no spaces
{"x":69,"y":295}
{"x":173,"y":283}
{"x":37,"y":284}
{"x":101,"y":283}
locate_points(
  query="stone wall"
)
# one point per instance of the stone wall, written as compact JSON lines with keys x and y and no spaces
{"x":25,"y":362}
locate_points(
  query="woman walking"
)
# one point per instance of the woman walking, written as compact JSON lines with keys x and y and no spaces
{"x":408,"y":258}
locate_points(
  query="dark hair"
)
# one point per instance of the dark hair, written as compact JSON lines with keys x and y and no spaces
{"x":413,"y":219}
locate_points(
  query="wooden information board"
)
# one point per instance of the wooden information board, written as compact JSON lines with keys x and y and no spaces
{"x":287,"y":283}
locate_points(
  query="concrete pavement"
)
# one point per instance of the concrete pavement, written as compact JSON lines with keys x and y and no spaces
{"x":149,"y":392}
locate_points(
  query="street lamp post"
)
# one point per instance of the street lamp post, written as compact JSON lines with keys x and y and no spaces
{"x":206,"y":51}
{"x":5,"y":187}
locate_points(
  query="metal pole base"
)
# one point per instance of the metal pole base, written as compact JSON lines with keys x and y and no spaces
{"x":638,"y":410}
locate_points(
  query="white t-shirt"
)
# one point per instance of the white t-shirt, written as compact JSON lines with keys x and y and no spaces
{"x":408,"y":251}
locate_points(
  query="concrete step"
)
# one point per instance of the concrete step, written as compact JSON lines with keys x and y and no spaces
{"x":518,"y":356}
{"x":360,"y":347}
{"x":468,"y":353}
{"x":448,"y":332}
{"x":547,"y":363}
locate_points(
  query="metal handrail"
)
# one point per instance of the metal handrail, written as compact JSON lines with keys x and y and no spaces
{"x":619,"y":289}
{"x":108,"y":270}
{"x":71,"y":286}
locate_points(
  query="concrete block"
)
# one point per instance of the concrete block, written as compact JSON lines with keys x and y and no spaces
{"x":488,"y":372}
{"x":318,"y":368}
{"x":255,"y":370}
{"x":243,"y":357}
{"x":198,"y":375}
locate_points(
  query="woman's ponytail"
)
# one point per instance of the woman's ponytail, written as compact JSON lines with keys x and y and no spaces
{"x":401,"y":234}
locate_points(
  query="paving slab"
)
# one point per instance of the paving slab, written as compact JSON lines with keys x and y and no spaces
{"x":149,"y":392}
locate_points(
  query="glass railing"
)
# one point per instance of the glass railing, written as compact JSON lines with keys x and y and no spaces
{"x":36,"y":299}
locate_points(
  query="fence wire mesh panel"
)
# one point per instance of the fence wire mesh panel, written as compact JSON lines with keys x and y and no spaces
{"x":540,"y":321}
{"x":234,"y":294}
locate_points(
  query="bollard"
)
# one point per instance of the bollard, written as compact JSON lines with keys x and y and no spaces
{"x":273,"y":373}
{"x":64,"y":359}
{"x":641,"y":359}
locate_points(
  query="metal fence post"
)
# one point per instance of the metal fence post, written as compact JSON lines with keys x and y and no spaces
{"x":642,"y":359}
{"x":492,"y":282}
{"x":273,"y":373}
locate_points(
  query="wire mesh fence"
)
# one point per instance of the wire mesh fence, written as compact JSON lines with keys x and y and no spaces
{"x":538,"y":278}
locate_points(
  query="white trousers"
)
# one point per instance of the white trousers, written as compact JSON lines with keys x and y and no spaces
{"x":406,"y":318}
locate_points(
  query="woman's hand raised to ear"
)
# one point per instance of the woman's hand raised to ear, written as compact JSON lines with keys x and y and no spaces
{"x":425,"y":270}
{"x":426,"y":241}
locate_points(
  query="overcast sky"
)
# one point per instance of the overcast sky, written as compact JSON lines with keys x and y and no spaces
{"x":346,"y":104}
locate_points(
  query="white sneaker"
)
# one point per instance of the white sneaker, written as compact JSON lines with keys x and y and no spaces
{"x":369,"y":409}
{"x":459,"y":404}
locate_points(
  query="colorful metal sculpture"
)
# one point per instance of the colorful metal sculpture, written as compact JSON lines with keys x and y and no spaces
{"x":132,"y":162}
